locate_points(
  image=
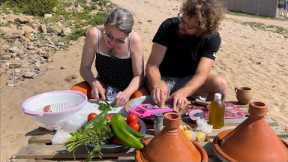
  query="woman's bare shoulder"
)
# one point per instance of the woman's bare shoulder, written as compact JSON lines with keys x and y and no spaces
{"x":92,"y":32}
{"x":136,"y":44}
{"x":135,"y":37}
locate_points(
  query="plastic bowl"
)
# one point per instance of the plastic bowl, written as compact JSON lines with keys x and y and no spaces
{"x":34,"y":105}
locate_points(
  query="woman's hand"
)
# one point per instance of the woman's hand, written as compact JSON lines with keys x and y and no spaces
{"x":98,"y":91}
{"x":122,"y":98}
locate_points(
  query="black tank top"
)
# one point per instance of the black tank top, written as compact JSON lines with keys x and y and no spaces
{"x":114,"y":71}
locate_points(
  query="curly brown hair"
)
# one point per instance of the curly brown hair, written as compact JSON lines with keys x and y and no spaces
{"x":208,"y":12}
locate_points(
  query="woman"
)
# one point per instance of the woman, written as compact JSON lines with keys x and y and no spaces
{"x":118,"y":55}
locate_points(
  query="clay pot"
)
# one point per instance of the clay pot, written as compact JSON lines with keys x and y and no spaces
{"x":253,"y":140}
{"x":84,"y":88}
{"x":171,"y":145}
{"x":243,"y":95}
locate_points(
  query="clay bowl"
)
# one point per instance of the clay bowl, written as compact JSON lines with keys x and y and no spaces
{"x":219,"y":152}
{"x":140,"y":158}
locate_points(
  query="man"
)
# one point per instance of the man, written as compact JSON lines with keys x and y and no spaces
{"x":183,"y":53}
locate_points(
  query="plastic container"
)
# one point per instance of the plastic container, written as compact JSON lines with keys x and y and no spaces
{"x":71,"y":102}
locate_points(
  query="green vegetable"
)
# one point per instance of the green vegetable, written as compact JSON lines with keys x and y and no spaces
{"x":119,"y":127}
{"x":94,"y":134}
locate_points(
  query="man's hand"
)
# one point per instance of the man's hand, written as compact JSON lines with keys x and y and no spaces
{"x":160,"y":94}
{"x":122,"y":98}
{"x":179,"y":99}
{"x":98,"y":91}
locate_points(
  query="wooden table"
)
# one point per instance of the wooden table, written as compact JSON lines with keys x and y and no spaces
{"x":39,"y":148}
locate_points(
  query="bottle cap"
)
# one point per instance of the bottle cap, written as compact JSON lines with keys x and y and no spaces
{"x":218,"y":96}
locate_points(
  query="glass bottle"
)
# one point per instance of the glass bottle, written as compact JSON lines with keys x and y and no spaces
{"x":216,"y":112}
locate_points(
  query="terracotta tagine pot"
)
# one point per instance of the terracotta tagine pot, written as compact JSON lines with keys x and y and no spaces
{"x":253,"y":140}
{"x":170,"y":145}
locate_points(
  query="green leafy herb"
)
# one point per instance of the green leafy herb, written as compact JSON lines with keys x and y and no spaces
{"x":93,"y":134}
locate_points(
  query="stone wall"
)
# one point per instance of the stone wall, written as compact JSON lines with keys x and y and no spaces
{"x":255,"y":7}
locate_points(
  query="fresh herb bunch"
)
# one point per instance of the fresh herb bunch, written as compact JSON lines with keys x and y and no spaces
{"x":93,"y":133}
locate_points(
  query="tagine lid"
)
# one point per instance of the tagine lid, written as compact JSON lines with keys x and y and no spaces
{"x":171,"y":145}
{"x":253,"y":140}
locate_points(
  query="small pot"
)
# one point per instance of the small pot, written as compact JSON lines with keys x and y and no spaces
{"x":243,"y":95}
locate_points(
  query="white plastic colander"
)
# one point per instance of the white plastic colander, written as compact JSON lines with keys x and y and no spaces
{"x":61,"y":104}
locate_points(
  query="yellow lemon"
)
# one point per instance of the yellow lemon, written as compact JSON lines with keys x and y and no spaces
{"x":200,"y":136}
{"x":188,"y":134}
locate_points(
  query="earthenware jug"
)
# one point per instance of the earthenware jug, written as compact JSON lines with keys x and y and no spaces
{"x":171,"y":145}
{"x":253,"y":140}
{"x":243,"y":95}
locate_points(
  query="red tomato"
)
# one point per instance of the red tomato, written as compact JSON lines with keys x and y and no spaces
{"x":92,"y":116}
{"x":132,"y":118}
{"x":109,"y":117}
{"x":135,"y":126}
{"x":47,"y":108}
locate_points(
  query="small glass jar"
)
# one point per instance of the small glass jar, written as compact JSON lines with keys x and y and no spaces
{"x":111,"y":93}
{"x":158,"y":123}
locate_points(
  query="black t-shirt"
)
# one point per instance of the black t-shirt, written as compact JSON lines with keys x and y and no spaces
{"x":183,"y":53}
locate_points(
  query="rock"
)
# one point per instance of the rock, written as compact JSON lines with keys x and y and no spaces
{"x":42,"y":28}
{"x":61,"y":44}
{"x":66,"y":31}
{"x":18,"y":70}
{"x":47,"y":16}
{"x":28,"y":29}
{"x":23,"y":19}
{"x":3,"y":22}
{"x":78,"y":8}
{"x":62,"y":68}
{"x":14,"y":49}
{"x":10,"y":18}
{"x":30,"y":47}
{"x":88,"y":3}
{"x":14,"y":65}
{"x":38,"y":64}
{"x":28,"y":37}
{"x":2,"y":68}
{"x":69,"y":9}
{"x":29,"y":74}
{"x":55,"y":28}
{"x":11,"y":83}
{"x":5,"y":57}
{"x":3,"y":45}
{"x":61,"y":17}
{"x":52,"y":46}
{"x":50,"y":59}
{"x":45,"y":55}
{"x":40,"y":51}
{"x":35,"y":25}
{"x":11,"y":32}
